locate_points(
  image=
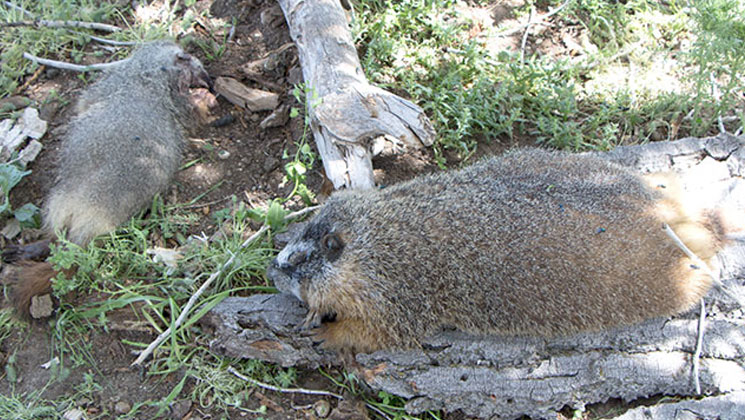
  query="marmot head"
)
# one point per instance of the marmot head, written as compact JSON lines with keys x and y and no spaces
{"x":314,"y":261}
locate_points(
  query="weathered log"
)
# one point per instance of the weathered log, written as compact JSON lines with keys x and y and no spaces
{"x":347,"y":113}
{"x":512,"y":376}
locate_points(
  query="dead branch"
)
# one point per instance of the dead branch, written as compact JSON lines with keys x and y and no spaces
{"x":62,"y":24}
{"x":69,"y":66}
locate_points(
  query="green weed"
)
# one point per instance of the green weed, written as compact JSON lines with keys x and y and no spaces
{"x":297,"y":168}
{"x":472,"y":94}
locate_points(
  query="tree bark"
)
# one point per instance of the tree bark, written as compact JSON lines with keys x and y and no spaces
{"x":510,"y":377}
{"x":349,"y":115}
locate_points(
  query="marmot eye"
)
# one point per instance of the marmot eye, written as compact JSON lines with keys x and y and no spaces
{"x":331,"y":246}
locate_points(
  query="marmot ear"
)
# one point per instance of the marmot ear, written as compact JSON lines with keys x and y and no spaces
{"x":331,"y":246}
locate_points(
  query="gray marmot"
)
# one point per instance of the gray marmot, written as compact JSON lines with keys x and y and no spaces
{"x":121,"y":148}
{"x":532,"y":243}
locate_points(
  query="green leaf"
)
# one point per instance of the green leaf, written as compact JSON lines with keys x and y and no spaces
{"x":10,"y":176}
{"x":275,"y":215}
{"x":26,"y":212}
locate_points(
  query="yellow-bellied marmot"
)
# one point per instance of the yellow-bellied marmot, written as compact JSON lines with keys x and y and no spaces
{"x":531,"y":243}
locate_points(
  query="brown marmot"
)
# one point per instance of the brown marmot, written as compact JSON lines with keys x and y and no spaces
{"x":121,"y":148}
{"x":531,"y":243}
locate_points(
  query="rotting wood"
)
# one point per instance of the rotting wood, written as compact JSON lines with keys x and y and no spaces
{"x":350,"y":117}
{"x":237,"y":93}
{"x":510,"y":377}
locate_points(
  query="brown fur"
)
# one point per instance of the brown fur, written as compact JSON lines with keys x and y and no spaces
{"x":532,"y":243}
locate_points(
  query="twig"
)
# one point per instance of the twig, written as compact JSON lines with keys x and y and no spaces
{"x":193,"y":299}
{"x":104,"y":40}
{"x":716,"y":95}
{"x":699,"y":345}
{"x":699,"y":263}
{"x":283,"y":390}
{"x":63,"y":24}
{"x":30,"y":80}
{"x":525,"y":35}
{"x":540,"y":19}
{"x":19,"y":8}
{"x":69,"y":66}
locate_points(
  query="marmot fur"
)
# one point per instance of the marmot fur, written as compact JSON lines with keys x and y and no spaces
{"x":121,"y":148}
{"x":532,"y":243}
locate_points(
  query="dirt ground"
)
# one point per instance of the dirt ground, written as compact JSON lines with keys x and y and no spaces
{"x":244,"y":159}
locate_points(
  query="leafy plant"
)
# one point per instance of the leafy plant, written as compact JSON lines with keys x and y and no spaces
{"x":297,"y":168}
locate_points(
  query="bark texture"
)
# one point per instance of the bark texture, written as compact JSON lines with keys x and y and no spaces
{"x":508,"y":377}
{"x":349,"y":117}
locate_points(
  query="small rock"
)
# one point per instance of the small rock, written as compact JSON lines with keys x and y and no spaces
{"x":322,"y":408}
{"x":350,"y":410}
{"x":180,"y":409}
{"x":277,"y":118}
{"x":74,"y":414}
{"x":272,"y":16}
{"x":270,"y":163}
{"x":13,"y":103}
{"x":29,"y":153}
{"x":41,"y":306}
{"x":223,"y":154}
{"x":122,"y":407}
{"x":295,"y":76}
{"x":223,"y":121}
{"x":33,"y":126}
{"x":11,"y":229}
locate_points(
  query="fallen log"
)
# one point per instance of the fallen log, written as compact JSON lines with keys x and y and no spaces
{"x":349,"y":116}
{"x":510,"y":377}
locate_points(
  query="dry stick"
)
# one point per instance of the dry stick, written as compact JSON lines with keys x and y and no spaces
{"x":19,"y":8}
{"x":64,"y":24}
{"x":540,"y":19}
{"x":716,"y":95}
{"x":525,"y":35}
{"x":30,"y":80}
{"x":69,"y":66}
{"x":702,"y":315}
{"x":699,"y":345}
{"x":283,"y":390}
{"x":699,"y":263}
{"x":104,"y":40}
{"x":193,"y":299}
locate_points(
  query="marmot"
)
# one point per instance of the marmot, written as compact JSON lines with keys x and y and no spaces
{"x":121,"y":148}
{"x":532,"y":243}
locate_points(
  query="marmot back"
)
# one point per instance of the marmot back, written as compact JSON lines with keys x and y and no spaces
{"x":125,"y":143}
{"x":532,"y":243}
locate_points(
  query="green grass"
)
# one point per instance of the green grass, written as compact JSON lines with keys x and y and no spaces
{"x":426,"y":49}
